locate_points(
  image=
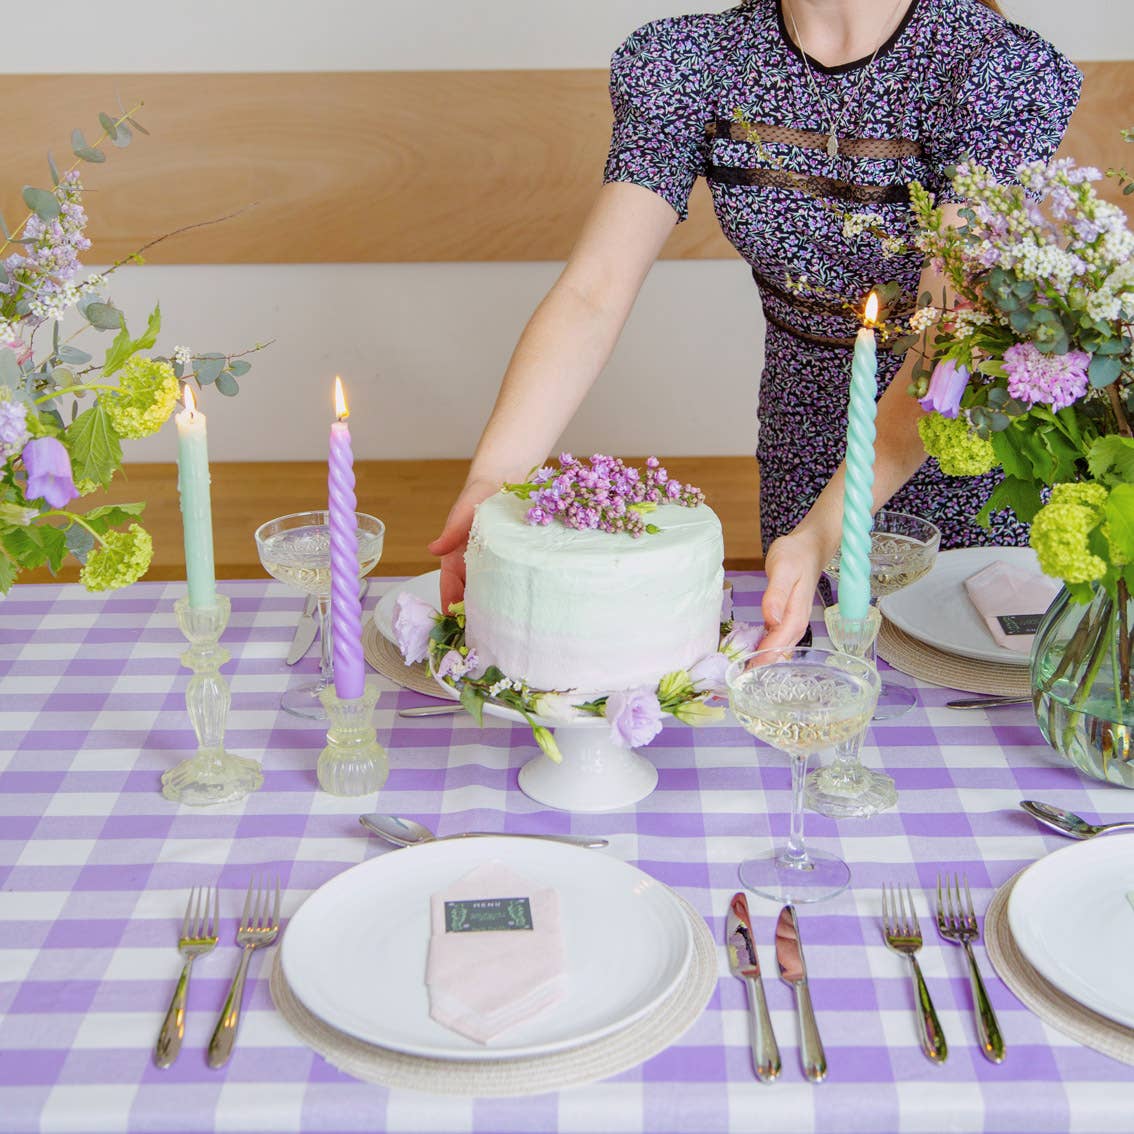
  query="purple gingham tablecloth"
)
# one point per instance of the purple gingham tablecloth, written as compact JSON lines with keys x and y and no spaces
{"x":95,"y":867}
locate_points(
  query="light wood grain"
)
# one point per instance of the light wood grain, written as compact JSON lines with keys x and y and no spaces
{"x":374,"y":167}
{"x":411,"y":497}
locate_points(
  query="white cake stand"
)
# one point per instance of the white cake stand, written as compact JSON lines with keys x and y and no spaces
{"x":596,"y":773}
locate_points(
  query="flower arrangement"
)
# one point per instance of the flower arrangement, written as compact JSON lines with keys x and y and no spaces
{"x":423,"y":633}
{"x":1032,"y":368}
{"x":602,"y":494}
{"x":52,"y":451}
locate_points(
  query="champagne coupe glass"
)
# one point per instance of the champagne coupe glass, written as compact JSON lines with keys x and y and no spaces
{"x":296,"y":549}
{"x":903,"y":548}
{"x":800,"y":700}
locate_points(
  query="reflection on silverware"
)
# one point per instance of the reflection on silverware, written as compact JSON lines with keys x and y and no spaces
{"x":432,"y":710}
{"x":986,"y":702}
{"x":258,"y":927}
{"x":957,"y":922}
{"x":793,"y":971}
{"x":198,"y":937}
{"x":1067,"y":822}
{"x":744,"y":963}
{"x":409,"y":833}
{"x":902,"y":932}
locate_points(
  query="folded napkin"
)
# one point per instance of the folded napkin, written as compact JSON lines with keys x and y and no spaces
{"x":484,"y":979}
{"x":1011,"y":600}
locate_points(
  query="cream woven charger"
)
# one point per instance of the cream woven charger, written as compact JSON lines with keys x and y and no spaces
{"x":1043,"y":998}
{"x":385,"y":657}
{"x":584,"y":1064}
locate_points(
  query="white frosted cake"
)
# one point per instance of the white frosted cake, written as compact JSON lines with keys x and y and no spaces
{"x":590,"y":610}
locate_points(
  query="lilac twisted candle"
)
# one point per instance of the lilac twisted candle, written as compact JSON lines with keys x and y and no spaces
{"x":346,"y":608}
{"x":858,"y":489}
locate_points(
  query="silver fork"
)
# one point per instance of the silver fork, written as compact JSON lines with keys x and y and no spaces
{"x":902,"y":932}
{"x":257,"y":928}
{"x":198,"y":936}
{"x":958,"y":923}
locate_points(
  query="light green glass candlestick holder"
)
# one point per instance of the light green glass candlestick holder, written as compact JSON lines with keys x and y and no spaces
{"x":353,"y":762}
{"x":845,"y":788}
{"x":213,"y":775}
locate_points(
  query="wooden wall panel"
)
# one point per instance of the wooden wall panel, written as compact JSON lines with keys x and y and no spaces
{"x":376,"y":166}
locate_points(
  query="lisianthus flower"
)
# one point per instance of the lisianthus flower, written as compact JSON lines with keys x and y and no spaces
{"x":121,"y":559}
{"x":1057,"y":379}
{"x":48,"y":466}
{"x":545,"y":738}
{"x":555,"y":707}
{"x":635,"y":717}
{"x":698,"y":713}
{"x":709,"y":672}
{"x":414,"y":620}
{"x":945,"y":388}
{"x":742,"y":639}
{"x":147,"y":392}
{"x":959,"y":451}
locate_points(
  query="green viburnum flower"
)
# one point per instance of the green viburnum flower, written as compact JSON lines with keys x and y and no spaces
{"x":1086,"y":493}
{"x":1059,"y":536}
{"x":147,"y":391}
{"x":958,"y":450}
{"x":121,"y":559}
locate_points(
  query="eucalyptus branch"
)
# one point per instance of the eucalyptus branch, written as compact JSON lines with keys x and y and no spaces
{"x":78,"y":389}
{"x":137,"y":253}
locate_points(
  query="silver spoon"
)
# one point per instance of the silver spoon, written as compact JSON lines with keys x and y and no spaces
{"x":408,"y":833}
{"x":1067,"y":822}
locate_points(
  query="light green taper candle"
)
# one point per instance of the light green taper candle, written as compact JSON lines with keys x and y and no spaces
{"x":196,"y":507}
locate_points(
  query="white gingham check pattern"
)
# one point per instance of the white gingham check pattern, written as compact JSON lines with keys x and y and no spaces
{"x":95,"y":867}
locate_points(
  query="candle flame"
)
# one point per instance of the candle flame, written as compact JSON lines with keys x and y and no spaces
{"x":341,"y":411}
{"x":872,"y":309}
{"x":188,"y":400}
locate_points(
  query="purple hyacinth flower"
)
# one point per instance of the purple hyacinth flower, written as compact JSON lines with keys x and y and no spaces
{"x":635,"y":717}
{"x":945,"y":388}
{"x":48,"y":466}
{"x":414,"y":620}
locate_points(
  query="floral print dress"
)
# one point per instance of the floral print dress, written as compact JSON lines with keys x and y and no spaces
{"x":725,"y":96}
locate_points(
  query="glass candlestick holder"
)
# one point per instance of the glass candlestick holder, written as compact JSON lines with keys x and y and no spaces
{"x":353,"y":762}
{"x":213,"y":775}
{"x":845,"y":788}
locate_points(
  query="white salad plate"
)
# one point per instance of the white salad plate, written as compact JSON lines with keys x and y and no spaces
{"x":426,"y":587}
{"x":937,"y":609}
{"x":1072,"y":917}
{"x":355,"y":953}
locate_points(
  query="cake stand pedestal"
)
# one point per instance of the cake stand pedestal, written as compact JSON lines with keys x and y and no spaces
{"x":596,"y":774}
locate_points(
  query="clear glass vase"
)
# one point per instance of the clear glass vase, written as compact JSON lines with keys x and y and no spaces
{"x":1082,"y":683}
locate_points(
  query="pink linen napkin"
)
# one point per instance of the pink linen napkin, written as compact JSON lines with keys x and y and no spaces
{"x":483,"y":981}
{"x":1010,"y":600}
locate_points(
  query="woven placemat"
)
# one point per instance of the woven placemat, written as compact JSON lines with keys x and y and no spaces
{"x":585,"y":1064}
{"x":385,"y":657}
{"x":927,"y":663}
{"x":1043,"y":998}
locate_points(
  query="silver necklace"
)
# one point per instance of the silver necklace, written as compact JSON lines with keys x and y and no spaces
{"x":837,"y":121}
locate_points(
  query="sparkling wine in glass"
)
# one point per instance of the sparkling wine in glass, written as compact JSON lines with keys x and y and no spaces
{"x":903,"y":548}
{"x":800,"y":700}
{"x":296,"y":549}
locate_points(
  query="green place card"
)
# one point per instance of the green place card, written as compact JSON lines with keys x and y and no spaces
{"x":1019,"y":623}
{"x":481,"y":914}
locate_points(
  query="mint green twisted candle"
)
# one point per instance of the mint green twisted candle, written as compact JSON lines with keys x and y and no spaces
{"x":858,"y":490}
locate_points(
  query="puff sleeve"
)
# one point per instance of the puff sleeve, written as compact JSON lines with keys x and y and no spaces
{"x":657,"y":90}
{"x":1004,"y":103}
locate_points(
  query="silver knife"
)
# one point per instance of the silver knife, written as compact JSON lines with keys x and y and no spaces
{"x":305,"y":631}
{"x":793,"y":971}
{"x":986,"y":702}
{"x":743,"y":963}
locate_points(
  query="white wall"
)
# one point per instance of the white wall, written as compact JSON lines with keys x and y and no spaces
{"x":417,"y":391}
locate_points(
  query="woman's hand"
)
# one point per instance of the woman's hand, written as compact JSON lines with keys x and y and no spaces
{"x":450,"y":544}
{"x":794,"y":563}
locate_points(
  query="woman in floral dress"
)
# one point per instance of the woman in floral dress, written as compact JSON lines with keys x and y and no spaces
{"x":808,"y":156}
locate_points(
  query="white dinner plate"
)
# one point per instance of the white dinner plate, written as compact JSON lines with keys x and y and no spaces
{"x":426,"y":587}
{"x":1072,"y":918}
{"x":355,"y":953}
{"x":937,"y":608}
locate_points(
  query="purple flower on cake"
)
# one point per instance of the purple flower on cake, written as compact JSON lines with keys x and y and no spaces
{"x":414,"y":620}
{"x":945,"y":388}
{"x":1058,"y":379}
{"x":709,"y":672}
{"x":556,"y":708}
{"x":635,"y":717}
{"x":48,"y":466}
{"x":457,"y":665}
{"x":742,"y":639}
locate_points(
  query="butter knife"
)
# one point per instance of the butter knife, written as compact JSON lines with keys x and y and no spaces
{"x":305,"y":631}
{"x":743,"y":963}
{"x":986,"y":702}
{"x":793,"y":971}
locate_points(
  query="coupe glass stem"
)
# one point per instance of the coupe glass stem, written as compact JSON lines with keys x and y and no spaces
{"x":795,"y":853}
{"x":326,"y":645}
